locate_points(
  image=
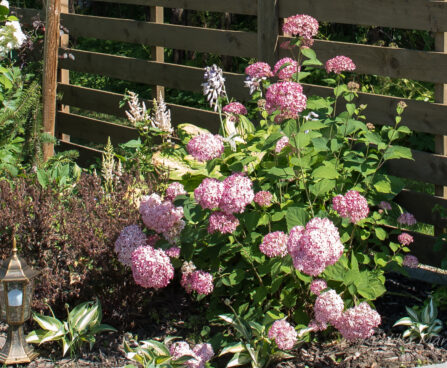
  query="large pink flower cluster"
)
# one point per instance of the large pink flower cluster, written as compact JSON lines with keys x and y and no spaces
{"x":352,"y":206}
{"x":317,"y":286}
{"x":174,"y":189}
{"x":288,"y":98}
{"x":205,"y":147}
{"x":237,"y":193}
{"x":199,"y":281}
{"x":358,"y":322}
{"x":130,"y":238}
{"x":315,"y":247}
{"x":263,"y":198}
{"x":274,"y":244}
{"x":223,"y":223}
{"x":162,"y":217}
{"x":328,"y":307}
{"x":411,"y":261}
{"x":259,"y":70}
{"x":283,"y":142}
{"x":405,"y":239}
{"x":235,"y":108}
{"x":151,"y":268}
{"x":284,"y":334}
{"x":286,"y":72}
{"x":201,"y":353}
{"x":208,"y":193}
{"x":340,"y":64}
{"x":406,"y":219}
{"x":301,"y":25}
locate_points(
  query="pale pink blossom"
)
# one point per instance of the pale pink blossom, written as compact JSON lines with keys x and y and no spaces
{"x":405,"y":239}
{"x":274,"y":244}
{"x":317,"y":286}
{"x":130,"y":238}
{"x":317,"y":326}
{"x":201,"y":353}
{"x":204,"y":351}
{"x":174,"y":189}
{"x":286,"y":72}
{"x":385,"y":206}
{"x":352,"y":206}
{"x":223,"y":223}
{"x":315,"y":247}
{"x":172,"y":235}
{"x":358,"y":322}
{"x":159,"y":216}
{"x":199,"y":281}
{"x":410,"y":261}
{"x":205,"y":147}
{"x":340,"y":64}
{"x":237,"y":193}
{"x":209,"y":193}
{"x":151,"y":268}
{"x":281,"y":143}
{"x":406,"y":219}
{"x":301,"y":25}
{"x":235,"y":108}
{"x":263,"y":198}
{"x":259,"y":70}
{"x":173,"y":252}
{"x":284,"y":334}
{"x":328,"y":307}
{"x":288,"y":98}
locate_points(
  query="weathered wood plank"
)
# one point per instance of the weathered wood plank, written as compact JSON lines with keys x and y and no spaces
{"x":268,"y":30}
{"x":157,"y":52}
{"x":247,"y":7}
{"x":422,"y":205}
{"x":108,"y":103}
{"x":93,"y":130}
{"x":224,"y":42}
{"x":407,"y":14}
{"x":87,"y":155}
{"x":386,"y":61}
{"x":149,"y":72}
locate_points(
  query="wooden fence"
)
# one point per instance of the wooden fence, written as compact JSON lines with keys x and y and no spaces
{"x":263,"y":44}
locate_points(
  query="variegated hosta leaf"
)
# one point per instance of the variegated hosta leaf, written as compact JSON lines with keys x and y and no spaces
{"x":233,"y":348}
{"x":238,"y":360}
{"x":405,"y":321}
{"x":412,"y":313}
{"x":48,"y":323}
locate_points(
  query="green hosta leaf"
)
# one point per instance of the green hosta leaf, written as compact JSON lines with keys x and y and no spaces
{"x":239,"y":359}
{"x":327,"y":171}
{"x":395,"y":152}
{"x":296,"y":216}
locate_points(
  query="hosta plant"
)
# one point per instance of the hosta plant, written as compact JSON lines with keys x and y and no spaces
{"x":80,"y":328}
{"x":422,"y":324}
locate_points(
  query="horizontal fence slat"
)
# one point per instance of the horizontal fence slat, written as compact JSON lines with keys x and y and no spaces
{"x":247,"y":7}
{"x":224,"y":42}
{"x":86,"y":156}
{"x":387,"y":61}
{"x":422,"y":205}
{"x":182,"y":77}
{"x":93,"y":130}
{"x":108,"y":103}
{"x":407,"y":14}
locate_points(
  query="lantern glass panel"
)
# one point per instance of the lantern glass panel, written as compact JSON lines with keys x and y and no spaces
{"x":28,"y":296}
{"x":2,"y":302}
{"x":15,"y":302}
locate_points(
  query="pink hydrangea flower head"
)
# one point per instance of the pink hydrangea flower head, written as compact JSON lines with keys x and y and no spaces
{"x":315,"y":247}
{"x":130,"y":238}
{"x":284,"y":334}
{"x":174,"y":189}
{"x":340,"y":64}
{"x":274,"y":244}
{"x":148,"y":202}
{"x":406,"y":219}
{"x":328,"y":307}
{"x":317,"y":326}
{"x":358,"y":322}
{"x":288,"y":98}
{"x":204,"y":351}
{"x":263,"y":198}
{"x":386,"y":206}
{"x":237,"y":193}
{"x":205,"y":147}
{"x":301,"y":25}
{"x":286,"y":72}
{"x":161,"y":217}
{"x":209,"y":193}
{"x":259,"y":70}
{"x":352,"y":205}
{"x":317,"y":286}
{"x":235,"y":108}
{"x":172,"y":235}
{"x":405,"y":239}
{"x":410,"y":261}
{"x":181,"y":348}
{"x":202,"y":282}
{"x":173,"y":252}
{"x":223,"y":223}
{"x":281,"y":143}
{"x":151,"y":268}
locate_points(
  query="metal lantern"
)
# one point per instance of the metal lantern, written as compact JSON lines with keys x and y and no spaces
{"x":16,"y":292}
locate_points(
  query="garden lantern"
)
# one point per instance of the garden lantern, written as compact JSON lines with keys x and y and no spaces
{"x":16,"y":292}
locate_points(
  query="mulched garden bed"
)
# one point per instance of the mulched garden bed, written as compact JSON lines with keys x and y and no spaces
{"x":386,"y":349}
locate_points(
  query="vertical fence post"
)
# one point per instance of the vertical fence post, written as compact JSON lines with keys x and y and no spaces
{"x":64,"y":74}
{"x":50,"y":71}
{"x":157,"y":52}
{"x":441,"y":97}
{"x":268,"y":30}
